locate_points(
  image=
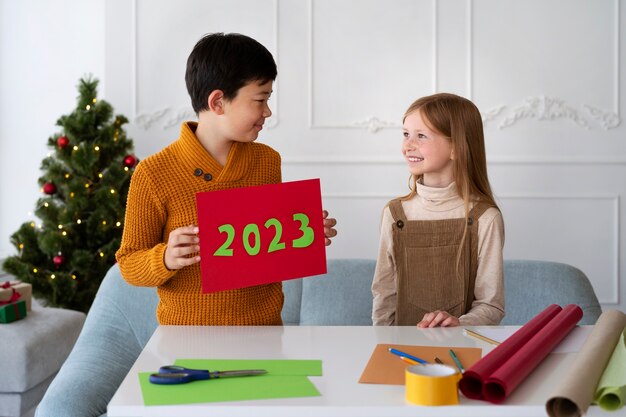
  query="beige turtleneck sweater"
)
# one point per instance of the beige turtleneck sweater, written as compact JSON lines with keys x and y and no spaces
{"x":441,"y":204}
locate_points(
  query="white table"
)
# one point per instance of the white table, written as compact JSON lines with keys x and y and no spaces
{"x":344,"y":352}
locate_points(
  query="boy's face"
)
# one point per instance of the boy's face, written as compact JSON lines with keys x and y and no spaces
{"x":245,"y":115}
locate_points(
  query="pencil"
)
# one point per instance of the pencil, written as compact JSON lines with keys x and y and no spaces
{"x":406,"y":355}
{"x":407,"y":360}
{"x":456,"y":360}
{"x":481,"y":337}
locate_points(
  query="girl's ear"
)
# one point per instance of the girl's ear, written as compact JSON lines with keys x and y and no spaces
{"x":452,"y":155}
{"x":216,"y":102}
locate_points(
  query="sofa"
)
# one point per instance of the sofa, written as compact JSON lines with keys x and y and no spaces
{"x":122,"y":320}
{"x":32,"y":350}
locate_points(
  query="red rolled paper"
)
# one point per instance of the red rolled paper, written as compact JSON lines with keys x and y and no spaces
{"x":471,"y":385}
{"x":508,"y":376}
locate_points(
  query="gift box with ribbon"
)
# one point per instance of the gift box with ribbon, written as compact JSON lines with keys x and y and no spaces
{"x":12,"y":311}
{"x":11,"y":291}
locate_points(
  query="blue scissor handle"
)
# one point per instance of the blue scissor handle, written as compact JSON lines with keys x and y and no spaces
{"x":173,"y":374}
{"x":175,"y":369}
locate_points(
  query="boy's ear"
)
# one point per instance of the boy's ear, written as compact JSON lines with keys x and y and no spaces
{"x":216,"y":101}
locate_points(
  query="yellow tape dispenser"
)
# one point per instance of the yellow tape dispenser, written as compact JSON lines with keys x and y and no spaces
{"x":432,"y":384}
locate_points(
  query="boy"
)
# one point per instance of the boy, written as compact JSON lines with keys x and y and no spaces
{"x":229,"y":78}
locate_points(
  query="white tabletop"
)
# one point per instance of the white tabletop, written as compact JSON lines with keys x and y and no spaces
{"x":344,"y":352}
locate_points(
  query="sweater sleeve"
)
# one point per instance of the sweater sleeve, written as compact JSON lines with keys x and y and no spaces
{"x":384,"y":289}
{"x":140,"y":256}
{"x":488,"y":305}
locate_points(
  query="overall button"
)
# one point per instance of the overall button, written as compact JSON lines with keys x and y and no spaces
{"x":208,"y":177}
{"x":400,"y":224}
{"x":197,"y":172}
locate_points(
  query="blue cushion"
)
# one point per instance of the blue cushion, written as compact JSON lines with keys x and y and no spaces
{"x":341,"y":297}
{"x":531,"y":286}
{"x":293,"y":297}
{"x":118,"y":326}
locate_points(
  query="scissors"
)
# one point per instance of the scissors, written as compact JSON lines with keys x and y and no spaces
{"x":172,"y":374}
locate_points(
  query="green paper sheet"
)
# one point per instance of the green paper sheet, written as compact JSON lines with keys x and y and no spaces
{"x":285,"y":379}
{"x":611,"y":391}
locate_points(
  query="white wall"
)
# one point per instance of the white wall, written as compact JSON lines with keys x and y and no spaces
{"x":552,"y":96}
{"x":45,"y":47}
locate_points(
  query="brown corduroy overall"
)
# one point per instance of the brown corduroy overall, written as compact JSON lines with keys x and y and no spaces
{"x":426,"y":252}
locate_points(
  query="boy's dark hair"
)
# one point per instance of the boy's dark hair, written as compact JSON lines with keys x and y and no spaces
{"x":226,"y":62}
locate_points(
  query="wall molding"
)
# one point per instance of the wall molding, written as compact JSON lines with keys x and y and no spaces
{"x":497,"y":160}
{"x":372,"y":123}
{"x":551,"y":108}
{"x":545,"y":107}
{"x":360,"y":196}
{"x":170,"y":116}
{"x":612,"y":198}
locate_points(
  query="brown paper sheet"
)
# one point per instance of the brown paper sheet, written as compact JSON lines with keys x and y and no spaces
{"x":573,"y":396}
{"x":386,"y":368}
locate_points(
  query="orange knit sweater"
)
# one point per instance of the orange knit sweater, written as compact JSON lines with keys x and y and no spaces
{"x":162,"y":197}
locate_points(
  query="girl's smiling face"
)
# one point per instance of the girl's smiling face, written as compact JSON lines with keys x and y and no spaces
{"x":428,"y":153}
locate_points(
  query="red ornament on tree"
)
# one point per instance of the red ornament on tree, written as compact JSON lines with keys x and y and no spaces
{"x":49,"y":188}
{"x":62,"y":142}
{"x":58,"y":260}
{"x":130,"y":161}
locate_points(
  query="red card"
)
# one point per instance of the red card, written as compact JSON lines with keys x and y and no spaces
{"x":258,"y":235}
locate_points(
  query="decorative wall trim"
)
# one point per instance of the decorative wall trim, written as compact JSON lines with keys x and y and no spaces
{"x":146,"y":120}
{"x":614,"y":198}
{"x":607,"y":120}
{"x":545,"y":107}
{"x":373,"y":123}
{"x":497,"y":160}
{"x":359,"y":196}
{"x":492,"y":113}
{"x":552,"y":108}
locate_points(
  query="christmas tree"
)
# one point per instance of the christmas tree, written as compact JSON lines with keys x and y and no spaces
{"x":84,"y":184}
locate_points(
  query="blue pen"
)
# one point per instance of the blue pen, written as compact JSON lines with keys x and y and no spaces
{"x":406,"y":355}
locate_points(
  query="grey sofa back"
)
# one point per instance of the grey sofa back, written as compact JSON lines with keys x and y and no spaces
{"x":531,"y":286}
{"x":341,"y":297}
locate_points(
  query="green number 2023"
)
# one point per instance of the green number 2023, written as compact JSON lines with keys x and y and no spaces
{"x":252,"y":229}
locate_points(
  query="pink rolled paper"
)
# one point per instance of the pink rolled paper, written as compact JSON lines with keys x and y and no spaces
{"x":471,"y":385}
{"x":507,"y":377}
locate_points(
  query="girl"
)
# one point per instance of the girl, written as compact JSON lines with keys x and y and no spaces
{"x":440,"y":256}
